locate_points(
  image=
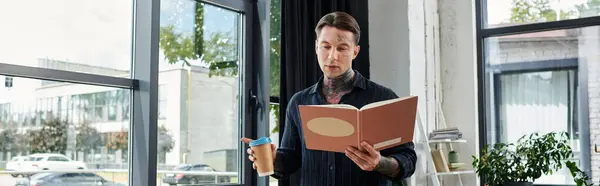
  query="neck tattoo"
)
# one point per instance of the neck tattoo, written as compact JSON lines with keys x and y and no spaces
{"x":335,"y":88}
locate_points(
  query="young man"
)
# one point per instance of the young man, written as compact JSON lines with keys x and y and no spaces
{"x":336,"y":46}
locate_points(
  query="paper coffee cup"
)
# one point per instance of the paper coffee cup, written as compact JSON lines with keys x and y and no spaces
{"x":263,"y":156}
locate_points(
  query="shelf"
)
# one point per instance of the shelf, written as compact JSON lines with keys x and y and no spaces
{"x":448,"y":141}
{"x":454,"y":172}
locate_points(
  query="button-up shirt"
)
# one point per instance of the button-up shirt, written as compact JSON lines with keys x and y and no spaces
{"x":332,"y":168}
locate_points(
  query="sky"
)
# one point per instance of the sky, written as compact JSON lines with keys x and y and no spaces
{"x":91,"y":32}
{"x":499,"y":10}
{"x":99,"y":33}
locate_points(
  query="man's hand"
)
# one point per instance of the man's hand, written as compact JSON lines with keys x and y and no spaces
{"x":367,"y":160}
{"x":251,"y":153}
{"x":370,"y":159}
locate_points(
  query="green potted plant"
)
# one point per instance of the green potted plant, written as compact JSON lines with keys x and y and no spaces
{"x":581,"y":178}
{"x":522,"y":163}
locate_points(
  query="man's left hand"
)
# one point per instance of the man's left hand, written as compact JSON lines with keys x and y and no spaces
{"x":367,"y":159}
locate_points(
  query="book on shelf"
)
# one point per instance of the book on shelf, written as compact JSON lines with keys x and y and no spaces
{"x":439,"y":160}
{"x":451,"y":133}
{"x":382,"y":124}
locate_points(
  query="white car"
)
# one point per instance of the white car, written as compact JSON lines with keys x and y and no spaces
{"x":15,"y":164}
{"x":43,"y":161}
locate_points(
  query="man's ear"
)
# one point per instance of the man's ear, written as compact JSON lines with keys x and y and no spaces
{"x":356,"y":50}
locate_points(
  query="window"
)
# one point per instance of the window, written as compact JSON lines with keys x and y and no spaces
{"x":518,"y":12}
{"x":77,"y":139}
{"x":104,"y":104}
{"x":199,"y":95}
{"x":77,"y":36}
{"x":538,"y":67}
{"x":536,"y":102}
{"x":533,"y":86}
{"x":78,"y":83}
{"x":8,"y":82}
{"x":57,"y":158}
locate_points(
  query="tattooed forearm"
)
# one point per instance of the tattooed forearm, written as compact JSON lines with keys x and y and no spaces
{"x":388,"y":166}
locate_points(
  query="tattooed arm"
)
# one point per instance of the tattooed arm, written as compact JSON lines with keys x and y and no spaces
{"x":388,"y":166}
{"x":399,"y":162}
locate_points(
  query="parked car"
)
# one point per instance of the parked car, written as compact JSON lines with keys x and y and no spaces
{"x":15,"y":164}
{"x":197,"y":178}
{"x":66,"y":179}
{"x":48,"y":161}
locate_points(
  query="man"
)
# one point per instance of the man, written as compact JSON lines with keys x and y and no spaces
{"x":336,"y":46}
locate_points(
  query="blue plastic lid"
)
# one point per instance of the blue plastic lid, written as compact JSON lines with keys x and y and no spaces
{"x":263,"y":140}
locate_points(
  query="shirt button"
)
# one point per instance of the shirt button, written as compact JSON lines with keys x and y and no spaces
{"x":330,"y":167}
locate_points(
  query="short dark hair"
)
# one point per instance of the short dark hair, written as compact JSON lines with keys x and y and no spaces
{"x":339,"y":20}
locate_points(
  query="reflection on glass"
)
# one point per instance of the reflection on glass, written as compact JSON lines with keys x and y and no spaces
{"x":534,"y":86}
{"x":199,"y":99}
{"x":63,"y":126}
{"x":71,"y":35}
{"x":516,"y":12}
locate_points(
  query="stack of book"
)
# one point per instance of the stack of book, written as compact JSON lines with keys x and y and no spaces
{"x":451,"y":133}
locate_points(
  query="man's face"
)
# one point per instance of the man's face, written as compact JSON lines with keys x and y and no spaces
{"x":335,"y":51}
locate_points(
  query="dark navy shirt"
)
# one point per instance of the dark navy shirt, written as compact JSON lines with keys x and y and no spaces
{"x":332,"y":168}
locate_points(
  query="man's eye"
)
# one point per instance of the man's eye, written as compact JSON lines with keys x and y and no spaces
{"x":341,"y":49}
{"x":327,"y":47}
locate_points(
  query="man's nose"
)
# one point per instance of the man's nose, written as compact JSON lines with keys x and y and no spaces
{"x":333,"y":54}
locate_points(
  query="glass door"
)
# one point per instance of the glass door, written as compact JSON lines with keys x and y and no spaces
{"x":201,"y":63}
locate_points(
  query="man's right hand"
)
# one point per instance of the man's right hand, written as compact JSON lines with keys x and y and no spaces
{"x":251,"y":152}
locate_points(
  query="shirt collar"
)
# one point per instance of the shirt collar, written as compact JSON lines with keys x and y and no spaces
{"x":359,"y":81}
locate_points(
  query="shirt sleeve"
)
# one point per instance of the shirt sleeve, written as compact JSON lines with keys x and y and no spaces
{"x":289,"y":154}
{"x":407,"y":159}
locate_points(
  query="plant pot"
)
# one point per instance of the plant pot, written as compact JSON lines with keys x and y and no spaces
{"x":518,"y":184}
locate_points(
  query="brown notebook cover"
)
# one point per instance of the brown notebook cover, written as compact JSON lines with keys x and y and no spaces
{"x":382,"y":124}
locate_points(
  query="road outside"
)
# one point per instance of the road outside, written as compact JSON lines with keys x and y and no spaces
{"x":7,"y":180}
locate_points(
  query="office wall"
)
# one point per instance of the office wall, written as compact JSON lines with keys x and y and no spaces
{"x":415,"y":51}
{"x":402,"y":52}
{"x":458,"y":75}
